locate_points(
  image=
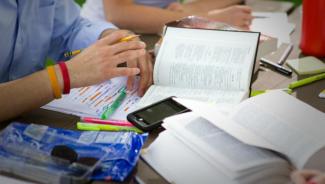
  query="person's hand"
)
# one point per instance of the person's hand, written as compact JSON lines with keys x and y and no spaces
{"x":175,"y":6}
{"x":99,"y":62}
{"x":308,"y":177}
{"x":238,"y":15}
{"x":144,"y":63}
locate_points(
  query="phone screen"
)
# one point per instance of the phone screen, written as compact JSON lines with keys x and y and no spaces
{"x":159,"y":111}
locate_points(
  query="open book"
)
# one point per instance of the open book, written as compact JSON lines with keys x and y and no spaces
{"x":259,"y":141}
{"x":208,"y":65}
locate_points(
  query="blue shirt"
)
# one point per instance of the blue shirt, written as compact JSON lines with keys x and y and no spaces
{"x":32,"y":30}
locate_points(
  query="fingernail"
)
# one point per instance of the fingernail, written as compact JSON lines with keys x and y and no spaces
{"x":143,"y":44}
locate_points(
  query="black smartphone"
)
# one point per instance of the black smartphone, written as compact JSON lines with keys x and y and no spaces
{"x":151,"y":116}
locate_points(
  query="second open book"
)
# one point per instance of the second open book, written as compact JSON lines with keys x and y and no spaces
{"x":258,"y":141}
{"x":208,"y":65}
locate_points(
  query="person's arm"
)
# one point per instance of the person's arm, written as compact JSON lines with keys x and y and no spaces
{"x":93,"y":65}
{"x":240,"y":16}
{"x":144,"y":19}
{"x":24,"y":94}
{"x":208,"y":5}
{"x":71,"y":31}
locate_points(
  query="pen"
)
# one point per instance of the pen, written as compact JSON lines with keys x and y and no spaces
{"x":115,"y":105}
{"x":306,"y":81}
{"x":110,"y":122}
{"x":285,"y":54}
{"x":276,"y":67}
{"x":98,"y":127}
{"x":75,"y":52}
{"x":259,"y":17}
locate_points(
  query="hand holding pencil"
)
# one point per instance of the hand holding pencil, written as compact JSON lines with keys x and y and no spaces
{"x":142,"y":62}
{"x":98,"y":62}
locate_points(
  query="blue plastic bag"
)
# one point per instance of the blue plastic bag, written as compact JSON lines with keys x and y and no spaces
{"x":122,"y":148}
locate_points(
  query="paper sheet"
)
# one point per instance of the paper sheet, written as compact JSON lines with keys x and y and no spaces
{"x":92,"y":100}
{"x":273,"y":24}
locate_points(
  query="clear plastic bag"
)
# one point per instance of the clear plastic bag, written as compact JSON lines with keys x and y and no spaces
{"x":28,"y":151}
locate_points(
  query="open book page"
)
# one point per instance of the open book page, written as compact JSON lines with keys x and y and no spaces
{"x":293,"y":127}
{"x":156,"y":93}
{"x":276,"y":121}
{"x":179,"y":164}
{"x":92,"y":100}
{"x":225,"y":152}
{"x":211,"y":112}
{"x":206,"y":59}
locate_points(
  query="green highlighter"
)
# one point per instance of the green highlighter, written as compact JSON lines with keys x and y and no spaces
{"x":115,"y":105}
{"x":306,"y":81}
{"x":99,"y":127}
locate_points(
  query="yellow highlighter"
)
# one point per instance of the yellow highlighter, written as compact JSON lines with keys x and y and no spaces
{"x":103,"y":127}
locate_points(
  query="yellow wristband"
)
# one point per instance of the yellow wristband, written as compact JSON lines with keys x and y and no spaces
{"x":54,"y":82}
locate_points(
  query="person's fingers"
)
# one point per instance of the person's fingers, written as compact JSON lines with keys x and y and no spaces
{"x":248,"y":17}
{"x":123,"y":46}
{"x":130,"y":81}
{"x":309,"y":173}
{"x":123,"y":71}
{"x":300,"y":177}
{"x":175,"y":6}
{"x":244,"y":8}
{"x":126,"y":56}
{"x":113,"y":38}
{"x":319,"y":179}
{"x":297,"y":178}
{"x":144,"y":74}
{"x":150,"y":69}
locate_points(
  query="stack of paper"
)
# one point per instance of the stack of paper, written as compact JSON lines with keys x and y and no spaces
{"x":92,"y":100}
{"x":273,"y":24}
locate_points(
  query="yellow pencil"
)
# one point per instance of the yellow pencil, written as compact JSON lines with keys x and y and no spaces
{"x":72,"y":53}
{"x":128,"y":38}
{"x":125,"y":39}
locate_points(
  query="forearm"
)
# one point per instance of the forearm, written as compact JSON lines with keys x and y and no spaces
{"x":25,"y":94}
{"x":207,"y":5}
{"x":140,"y":18}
